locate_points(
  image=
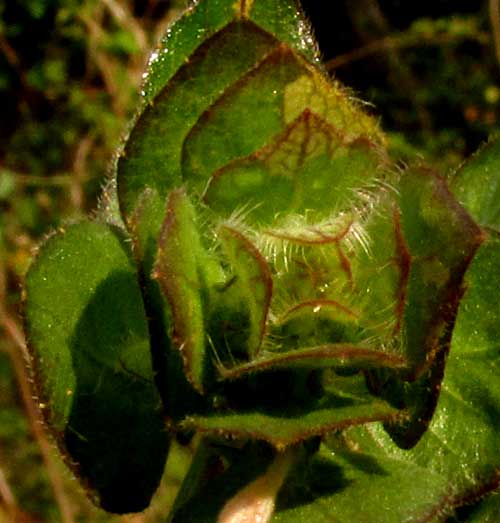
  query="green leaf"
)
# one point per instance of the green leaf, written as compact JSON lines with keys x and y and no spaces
{"x":183,"y":272}
{"x":336,"y":355}
{"x":268,"y":105}
{"x":295,"y":415}
{"x":455,"y":463}
{"x":89,"y":342}
{"x":252,"y":282}
{"x":307,"y":160}
{"x":441,"y":239}
{"x":282,"y":432}
{"x":476,"y":185}
{"x":281,"y":18}
{"x":152,"y":155}
{"x":472,"y":370}
{"x":177,"y":394}
{"x":488,"y":511}
{"x":380,"y":272}
{"x":197,"y":24}
{"x":438,"y":240}
{"x":349,"y":484}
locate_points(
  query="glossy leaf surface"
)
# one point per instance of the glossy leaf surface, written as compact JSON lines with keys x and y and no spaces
{"x":281,"y":18}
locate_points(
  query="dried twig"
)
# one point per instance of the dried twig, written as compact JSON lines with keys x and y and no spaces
{"x":7,"y":497}
{"x":402,"y":41}
{"x":9,"y":52}
{"x":125,"y":18}
{"x":106,"y":66}
{"x":495,"y":25}
{"x":77,"y":193}
{"x":56,"y":180}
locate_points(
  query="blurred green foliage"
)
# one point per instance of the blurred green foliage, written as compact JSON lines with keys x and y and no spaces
{"x":70,"y":74}
{"x":429,"y":68}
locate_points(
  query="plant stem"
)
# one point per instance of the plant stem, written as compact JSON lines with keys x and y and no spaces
{"x":255,"y":503}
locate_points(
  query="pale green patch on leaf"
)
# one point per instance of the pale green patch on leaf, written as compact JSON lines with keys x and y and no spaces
{"x":308,"y":166}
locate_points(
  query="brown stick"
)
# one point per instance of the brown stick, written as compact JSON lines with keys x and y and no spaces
{"x":7,"y":497}
{"x":123,"y":16}
{"x":57,"y":180}
{"x":9,"y":52}
{"x":402,"y":41}
{"x":494,"y":8}
{"x":77,"y":192}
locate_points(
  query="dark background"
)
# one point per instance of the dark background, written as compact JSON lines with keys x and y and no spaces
{"x":430,"y":84}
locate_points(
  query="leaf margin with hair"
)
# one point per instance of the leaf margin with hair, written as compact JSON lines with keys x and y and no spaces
{"x":93,"y":390}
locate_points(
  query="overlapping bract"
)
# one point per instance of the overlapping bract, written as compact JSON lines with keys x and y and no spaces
{"x":283,"y":283}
